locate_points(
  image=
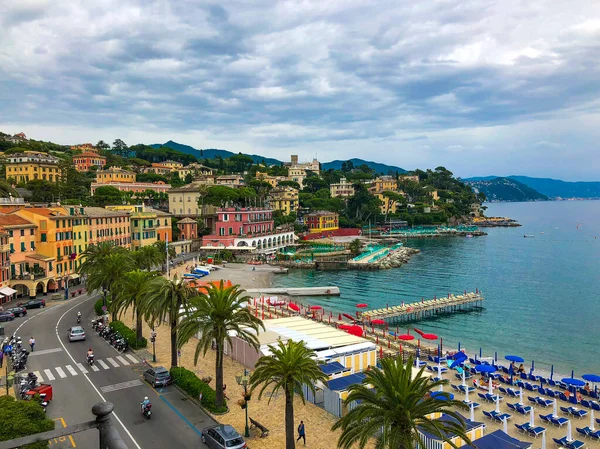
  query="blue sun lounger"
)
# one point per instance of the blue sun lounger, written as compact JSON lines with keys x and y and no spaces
{"x":558,"y":421}
{"x":500,"y":417}
{"x":544,"y":402}
{"x":585,"y":431}
{"x":546,"y":418}
{"x":575,"y":444}
{"x":523,"y":409}
{"x":535,"y":431}
{"x":522,"y":427}
{"x":560,"y":442}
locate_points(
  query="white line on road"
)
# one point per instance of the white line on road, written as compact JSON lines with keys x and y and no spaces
{"x":95,"y":368}
{"x":45,"y":351}
{"x":39,"y":376}
{"x":81,"y":368}
{"x":112,"y":362}
{"x":49,"y":374}
{"x":60,"y":372}
{"x":121,"y":386}
{"x":72,"y":370}
{"x":132,"y":358}
{"x":102,"y":364}
{"x":122,"y":360}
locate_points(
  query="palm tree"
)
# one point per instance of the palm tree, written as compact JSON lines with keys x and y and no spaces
{"x":166,"y":298}
{"x":392,"y":405}
{"x":288,"y":368}
{"x":219,"y":312}
{"x":106,"y":272}
{"x":161,"y":247}
{"x":132,"y":289}
{"x":147,"y":257}
{"x":94,"y":253}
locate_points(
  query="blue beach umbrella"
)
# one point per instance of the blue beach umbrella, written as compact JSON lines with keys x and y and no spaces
{"x":573,"y":383}
{"x":552,"y":372}
{"x":594,"y":378}
{"x":486,"y":369}
{"x":532,"y":367}
{"x":442,"y":395}
{"x":515,"y":359}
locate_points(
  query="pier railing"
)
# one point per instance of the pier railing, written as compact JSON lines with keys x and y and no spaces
{"x":109,"y":437}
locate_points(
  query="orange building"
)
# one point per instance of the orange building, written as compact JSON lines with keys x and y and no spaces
{"x":5,"y":291}
{"x":85,"y":161}
{"x":164,"y":230}
{"x":188,"y":229}
{"x":108,"y":226}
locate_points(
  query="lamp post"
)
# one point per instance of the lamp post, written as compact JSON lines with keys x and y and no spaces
{"x":153,"y":340}
{"x":243,"y":381}
{"x":66,"y":279}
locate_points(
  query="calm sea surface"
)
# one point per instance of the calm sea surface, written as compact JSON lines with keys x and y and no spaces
{"x":542,"y":293}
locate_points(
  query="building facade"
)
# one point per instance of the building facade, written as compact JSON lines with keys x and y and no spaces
{"x":5,"y":291}
{"x":272,"y":180}
{"x":31,"y":165}
{"x":343,"y":189}
{"x":284,"y":199}
{"x":230,"y":180}
{"x":115,"y":175}
{"x":136,"y":187}
{"x":188,"y":229}
{"x":108,"y":226}
{"x":157,"y":169}
{"x":413,"y":178}
{"x":384,"y":183}
{"x":321,"y":221}
{"x":84,"y":148}
{"x":85,"y":161}
{"x":147,"y":225}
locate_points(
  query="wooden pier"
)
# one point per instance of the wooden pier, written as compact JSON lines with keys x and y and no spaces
{"x":428,"y":308}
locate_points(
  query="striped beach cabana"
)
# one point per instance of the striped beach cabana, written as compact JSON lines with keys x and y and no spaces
{"x":336,"y":391}
{"x":475,"y":430}
{"x":498,"y":440}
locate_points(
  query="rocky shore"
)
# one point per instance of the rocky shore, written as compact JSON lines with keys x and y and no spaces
{"x":398,"y":258}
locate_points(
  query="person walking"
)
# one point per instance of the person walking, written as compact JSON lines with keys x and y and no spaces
{"x":301,"y":432}
{"x":32,"y":343}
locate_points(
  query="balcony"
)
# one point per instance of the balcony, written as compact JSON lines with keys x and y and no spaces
{"x":5,"y":248}
{"x":37,"y":274}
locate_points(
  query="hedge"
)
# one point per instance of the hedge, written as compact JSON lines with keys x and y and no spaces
{"x":129,"y":335}
{"x":98,"y":307}
{"x":192,"y":385}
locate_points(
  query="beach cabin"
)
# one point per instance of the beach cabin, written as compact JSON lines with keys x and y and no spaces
{"x":333,"y":370}
{"x":336,"y":391}
{"x":358,"y":356}
{"x":475,"y":430}
{"x":498,"y":440}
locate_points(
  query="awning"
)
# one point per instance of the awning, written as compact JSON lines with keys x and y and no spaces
{"x":74,"y":276}
{"x":7,"y":291}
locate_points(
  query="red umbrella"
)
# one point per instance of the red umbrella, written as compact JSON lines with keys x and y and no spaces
{"x":362,"y":305}
{"x":429,"y":336}
{"x":345,"y":327}
{"x":381,"y":352}
{"x":418,"y":331}
{"x":356,"y":331}
{"x":294,"y":307}
{"x":315,"y":307}
{"x":378,"y":322}
{"x":406,"y":337}
{"x":350,"y":317}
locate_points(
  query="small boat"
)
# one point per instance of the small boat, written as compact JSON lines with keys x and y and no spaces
{"x":469,"y":236}
{"x":275,"y":301}
{"x":528,"y":236}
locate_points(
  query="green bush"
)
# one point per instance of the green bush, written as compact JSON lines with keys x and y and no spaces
{"x":98,"y":307}
{"x":192,"y":385}
{"x":129,"y":335}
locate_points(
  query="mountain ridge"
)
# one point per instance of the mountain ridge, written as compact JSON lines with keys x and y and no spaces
{"x":505,"y":189}
{"x":552,"y":188}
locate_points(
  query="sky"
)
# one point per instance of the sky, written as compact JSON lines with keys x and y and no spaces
{"x":481,"y":87}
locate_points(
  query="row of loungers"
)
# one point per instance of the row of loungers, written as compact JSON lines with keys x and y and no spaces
{"x":496,"y":416}
{"x":589,"y":433}
{"x":533,"y":431}
{"x":573,"y":444}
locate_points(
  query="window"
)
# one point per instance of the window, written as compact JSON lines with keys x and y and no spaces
{"x":31,"y":232}
{"x":23,"y":247}
{"x":221,"y":231}
{"x":44,"y":237}
{"x":22,"y":232}
{"x":32,"y":246}
{"x":230,"y":231}
{"x":58,"y":251}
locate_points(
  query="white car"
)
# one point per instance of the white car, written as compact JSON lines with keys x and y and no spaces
{"x":76,"y":333}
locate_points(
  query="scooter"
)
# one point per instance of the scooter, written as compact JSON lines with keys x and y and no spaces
{"x":90,"y":359}
{"x":146,"y":410}
{"x":78,"y":319}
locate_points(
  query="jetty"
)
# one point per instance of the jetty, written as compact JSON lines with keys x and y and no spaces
{"x":426,"y":308}
{"x":299,"y":291}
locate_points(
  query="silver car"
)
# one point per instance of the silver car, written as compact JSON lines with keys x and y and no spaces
{"x":76,"y":333}
{"x":222,"y":436}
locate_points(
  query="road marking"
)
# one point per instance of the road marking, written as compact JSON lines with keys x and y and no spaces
{"x":121,"y":386}
{"x":122,"y":360}
{"x":102,"y":364}
{"x":81,"y":368}
{"x":112,"y":362}
{"x":39,"y":376}
{"x":49,"y":374}
{"x":72,"y":370}
{"x":95,"y":368}
{"x":132,"y":358}
{"x":45,"y":351}
{"x":60,"y":372}
{"x":64,"y":438}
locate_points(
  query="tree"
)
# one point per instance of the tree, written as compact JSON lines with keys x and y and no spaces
{"x":106,"y":195}
{"x":347,"y":166}
{"x":393,"y":198}
{"x":147,"y":257}
{"x":355,"y":247}
{"x":290,"y":366}
{"x":21,"y":419}
{"x":221,"y":195}
{"x":102,"y":145}
{"x":363,"y":205}
{"x":293,"y":184}
{"x":161,"y":250}
{"x":241,"y":162}
{"x":131,"y":290}
{"x":314,"y":183}
{"x":188,"y":178}
{"x":6,"y":190}
{"x":120,"y":148}
{"x":108,"y":270}
{"x":175,"y":180}
{"x":392,"y":405}
{"x":218,"y":312}
{"x":168,"y":300}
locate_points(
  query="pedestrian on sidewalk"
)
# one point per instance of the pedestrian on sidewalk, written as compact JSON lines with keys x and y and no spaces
{"x":32,"y":343}
{"x":301,"y":432}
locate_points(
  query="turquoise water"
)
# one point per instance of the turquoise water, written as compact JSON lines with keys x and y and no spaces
{"x":542,"y":293}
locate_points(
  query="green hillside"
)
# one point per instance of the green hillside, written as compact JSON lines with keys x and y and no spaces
{"x":505,"y":189}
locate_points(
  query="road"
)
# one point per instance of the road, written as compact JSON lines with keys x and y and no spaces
{"x":116,"y":378}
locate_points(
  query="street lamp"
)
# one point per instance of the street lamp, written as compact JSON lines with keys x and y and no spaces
{"x":243,"y":381}
{"x":153,"y":340}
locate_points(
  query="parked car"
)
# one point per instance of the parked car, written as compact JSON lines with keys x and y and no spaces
{"x":34,"y":304}
{"x":157,"y":376}
{"x":7,"y":316}
{"x":76,"y":333}
{"x":222,"y":436}
{"x":18,"y":311}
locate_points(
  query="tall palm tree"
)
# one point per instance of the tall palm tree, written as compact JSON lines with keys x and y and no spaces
{"x":392,"y":405}
{"x":161,"y":247}
{"x":94,"y":253}
{"x":108,"y":270}
{"x":147,"y":257}
{"x":131,"y":290}
{"x":168,"y":299}
{"x":288,"y":368}
{"x":219,"y":311}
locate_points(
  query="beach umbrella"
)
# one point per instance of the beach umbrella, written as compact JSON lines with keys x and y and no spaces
{"x":339,"y":317}
{"x":315,"y":307}
{"x":569,"y":431}
{"x":463,"y":378}
{"x":555,"y":409}
{"x":442,"y":395}
{"x":362,"y":305}
{"x":490,"y":386}
{"x":594,"y":378}
{"x":497,"y":403}
{"x":573,"y":383}
{"x":357,"y":331}
{"x":520,"y":395}
{"x":592,"y":419}
{"x":429,"y":336}
{"x":467,"y":395}
{"x":514,"y":358}
{"x":551,"y":372}
{"x":544,"y":439}
{"x":532,"y":367}
{"x":441,"y":387}
{"x":380,"y":322}
{"x":294,"y":307}
{"x":406,"y":337}
{"x":485,"y":369}
{"x":531,"y":418}
{"x":505,"y":425}
{"x":472,"y":416}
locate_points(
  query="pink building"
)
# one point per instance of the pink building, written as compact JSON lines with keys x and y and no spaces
{"x":248,"y":227}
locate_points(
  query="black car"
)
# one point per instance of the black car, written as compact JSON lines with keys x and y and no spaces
{"x":18,"y":311}
{"x":35,"y":304}
{"x":6,"y":316}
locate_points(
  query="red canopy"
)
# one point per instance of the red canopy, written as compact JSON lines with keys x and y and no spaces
{"x":356,"y":331}
{"x":429,"y":336}
{"x":406,"y":337}
{"x":377,"y":322}
{"x":315,"y":307}
{"x":350,"y":317}
{"x":294,"y":307}
{"x":362,"y":305}
{"x":345,"y":327}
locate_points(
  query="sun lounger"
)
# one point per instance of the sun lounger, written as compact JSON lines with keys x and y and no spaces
{"x":558,"y":421}
{"x":546,"y":418}
{"x":585,"y":431}
{"x":566,"y":410}
{"x":586,"y":403}
{"x":522,"y":427}
{"x":544,"y":402}
{"x":488,"y":415}
{"x":576,"y":444}
{"x":512,"y":406}
{"x":560,"y":442}
{"x":595,"y":406}
{"x":593,"y":395}
{"x":551,"y":382}
{"x":528,"y":386}
{"x":503,"y":390}
{"x":523,"y":410}
{"x":482,"y":396}
{"x":535,"y":431}
{"x":550,"y":393}
{"x":577,"y":413}
{"x":455,"y":387}
{"x":532,"y":400}
{"x":500,"y":417}
{"x":598,"y":420}
{"x":512,"y":392}
{"x":595,"y":435}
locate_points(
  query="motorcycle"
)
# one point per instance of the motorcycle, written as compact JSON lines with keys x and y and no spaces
{"x":121,"y":345}
{"x":90,"y":359}
{"x":146,"y":410}
{"x":78,"y":319}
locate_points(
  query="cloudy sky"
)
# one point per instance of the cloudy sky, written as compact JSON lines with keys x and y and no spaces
{"x":479,"y":86}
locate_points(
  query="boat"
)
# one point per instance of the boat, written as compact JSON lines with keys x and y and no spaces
{"x":528,"y":236}
{"x":469,"y":236}
{"x":275,"y":301}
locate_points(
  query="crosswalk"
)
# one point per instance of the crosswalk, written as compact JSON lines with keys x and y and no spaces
{"x":62,"y":372}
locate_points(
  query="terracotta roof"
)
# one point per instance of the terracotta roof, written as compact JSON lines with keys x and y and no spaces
{"x":50,"y":213}
{"x":90,"y":154}
{"x":187,"y":220}
{"x":14,"y":220}
{"x":93,"y":212}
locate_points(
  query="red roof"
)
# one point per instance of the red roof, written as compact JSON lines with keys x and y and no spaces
{"x":14,"y":220}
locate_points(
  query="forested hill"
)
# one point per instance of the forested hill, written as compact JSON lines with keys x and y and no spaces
{"x":505,"y":189}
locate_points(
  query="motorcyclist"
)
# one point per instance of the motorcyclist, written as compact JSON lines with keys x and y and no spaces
{"x":79,"y":317}
{"x":90,"y":353}
{"x":145,"y":403}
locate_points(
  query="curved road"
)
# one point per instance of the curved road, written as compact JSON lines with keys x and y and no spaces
{"x":116,"y":378}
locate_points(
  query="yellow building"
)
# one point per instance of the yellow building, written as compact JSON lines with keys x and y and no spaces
{"x":173,"y":165}
{"x":31,"y":165}
{"x":384,"y":183}
{"x":322,"y":221}
{"x":272,"y":180}
{"x":297,"y":174}
{"x":473,"y":429}
{"x":147,"y":225}
{"x":284,"y":199}
{"x":114,"y":175}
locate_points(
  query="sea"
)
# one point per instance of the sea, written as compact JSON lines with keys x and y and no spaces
{"x":542,"y":293}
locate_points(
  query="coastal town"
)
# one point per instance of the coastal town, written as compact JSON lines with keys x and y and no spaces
{"x":150,"y":244}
